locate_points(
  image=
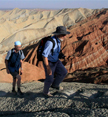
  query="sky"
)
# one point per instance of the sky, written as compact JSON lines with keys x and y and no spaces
{"x":53,"y":4}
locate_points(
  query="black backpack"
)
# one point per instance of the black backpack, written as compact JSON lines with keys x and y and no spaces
{"x":41,"y":48}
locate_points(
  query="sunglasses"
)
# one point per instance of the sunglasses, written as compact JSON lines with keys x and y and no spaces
{"x":18,"y":47}
{"x":63,"y":35}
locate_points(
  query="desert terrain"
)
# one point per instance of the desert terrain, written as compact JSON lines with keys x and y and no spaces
{"x":85,"y":91}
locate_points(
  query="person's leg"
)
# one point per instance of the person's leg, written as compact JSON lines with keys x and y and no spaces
{"x":60,"y":74}
{"x":49,"y":78}
{"x":14,"y":81}
{"x":19,"y":92}
{"x":14,"y":84}
{"x":18,"y":81}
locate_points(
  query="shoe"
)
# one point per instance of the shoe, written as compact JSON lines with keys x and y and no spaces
{"x":14,"y":92}
{"x":20,"y":93}
{"x":58,"y":88}
{"x":48,"y":95}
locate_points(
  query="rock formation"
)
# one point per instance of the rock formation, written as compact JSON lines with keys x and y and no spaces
{"x":28,"y":26}
{"x":96,"y":75}
{"x":85,"y":47}
{"x":88,"y":43}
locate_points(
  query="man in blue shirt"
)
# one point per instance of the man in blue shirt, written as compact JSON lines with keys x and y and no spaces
{"x":51,"y":62}
{"x":13,"y":62}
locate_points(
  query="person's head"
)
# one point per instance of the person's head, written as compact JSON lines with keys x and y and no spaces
{"x":61,"y":32}
{"x":17,"y":45}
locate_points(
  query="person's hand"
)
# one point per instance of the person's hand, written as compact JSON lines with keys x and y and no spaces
{"x":7,"y":70}
{"x":21,"y":72}
{"x":49,"y":71}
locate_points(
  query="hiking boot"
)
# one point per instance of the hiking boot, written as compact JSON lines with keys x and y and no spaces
{"x":48,"y":95}
{"x":14,"y":92}
{"x":20,"y":93}
{"x":58,"y":88}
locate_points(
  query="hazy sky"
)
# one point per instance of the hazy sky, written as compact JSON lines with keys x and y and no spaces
{"x":53,"y":4}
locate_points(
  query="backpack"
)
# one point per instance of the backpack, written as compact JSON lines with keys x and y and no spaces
{"x":12,"y":54}
{"x":41,"y":48}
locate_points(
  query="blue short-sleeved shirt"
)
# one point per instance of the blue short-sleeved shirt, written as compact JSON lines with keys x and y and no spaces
{"x":48,"y":47}
{"x":16,"y":57}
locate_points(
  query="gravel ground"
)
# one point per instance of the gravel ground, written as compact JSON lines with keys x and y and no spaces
{"x":76,"y":100}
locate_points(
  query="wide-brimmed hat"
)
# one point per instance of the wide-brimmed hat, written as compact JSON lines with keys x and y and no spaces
{"x":61,"y":30}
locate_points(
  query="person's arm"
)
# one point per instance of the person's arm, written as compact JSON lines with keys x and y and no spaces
{"x":45,"y":60}
{"x":6,"y":63}
{"x":21,"y":67}
{"x":46,"y":52}
{"x":21,"y":61}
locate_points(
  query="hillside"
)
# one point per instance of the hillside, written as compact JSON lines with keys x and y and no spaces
{"x":28,"y":26}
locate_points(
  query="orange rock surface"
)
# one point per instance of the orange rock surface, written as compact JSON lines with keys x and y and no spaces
{"x":30,"y":73}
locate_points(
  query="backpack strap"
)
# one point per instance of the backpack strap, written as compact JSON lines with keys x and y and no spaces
{"x":45,"y":39}
{"x":11,"y":54}
{"x":50,"y":39}
{"x":56,"y":39}
{"x":21,"y":52}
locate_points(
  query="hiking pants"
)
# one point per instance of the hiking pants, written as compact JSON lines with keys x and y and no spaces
{"x":59,"y":69}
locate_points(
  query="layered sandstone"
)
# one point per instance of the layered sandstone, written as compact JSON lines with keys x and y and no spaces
{"x":91,"y":46}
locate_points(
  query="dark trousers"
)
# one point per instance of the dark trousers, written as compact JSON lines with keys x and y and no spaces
{"x":60,"y":71}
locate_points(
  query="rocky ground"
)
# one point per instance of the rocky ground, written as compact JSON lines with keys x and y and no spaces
{"x":77,"y":100}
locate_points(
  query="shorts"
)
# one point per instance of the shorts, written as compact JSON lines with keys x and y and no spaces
{"x":14,"y":74}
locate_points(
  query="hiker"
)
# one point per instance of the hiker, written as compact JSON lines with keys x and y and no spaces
{"x":13,"y":62}
{"x":51,"y":62}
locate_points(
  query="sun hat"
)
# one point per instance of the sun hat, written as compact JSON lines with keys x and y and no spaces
{"x":17,"y":43}
{"x":61,"y":30}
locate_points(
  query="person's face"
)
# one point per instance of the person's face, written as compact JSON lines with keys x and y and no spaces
{"x":62,"y":37}
{"x":18,"y":47}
